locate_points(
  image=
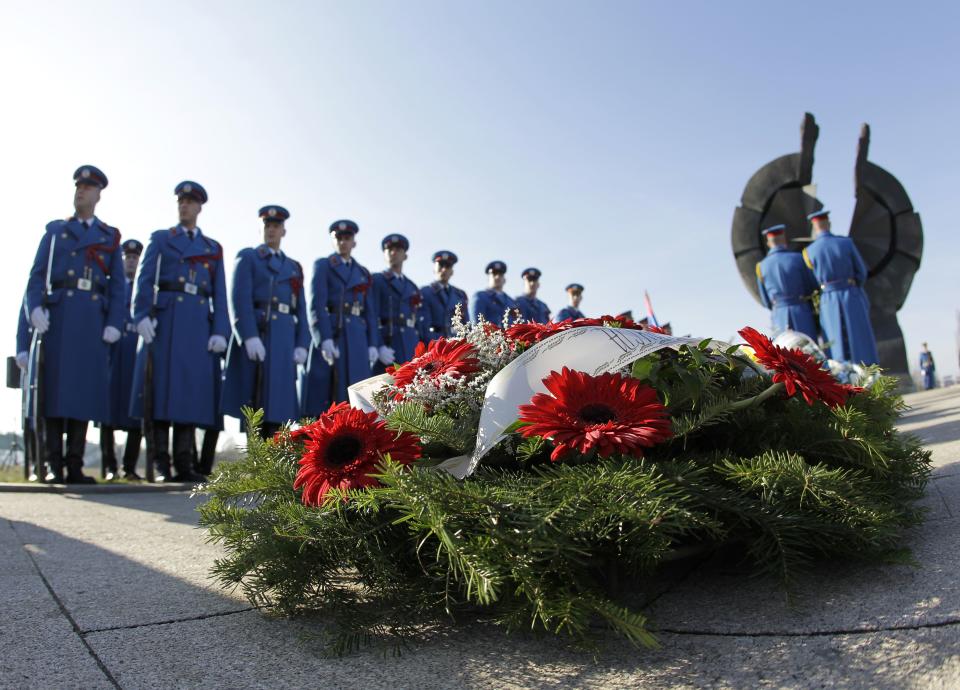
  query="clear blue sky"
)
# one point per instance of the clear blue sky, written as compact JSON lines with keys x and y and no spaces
{"x":606,"y":143}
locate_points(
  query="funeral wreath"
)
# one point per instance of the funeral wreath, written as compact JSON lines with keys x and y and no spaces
{"x":518,"y":474}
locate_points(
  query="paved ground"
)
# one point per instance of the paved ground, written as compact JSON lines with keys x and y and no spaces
{"x":111,"y":590}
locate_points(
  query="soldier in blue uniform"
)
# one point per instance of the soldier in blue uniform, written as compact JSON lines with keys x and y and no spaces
{"x":182,"y":270}
{"x":399,"y":302}
{"x":493,"y":303}
{"x":844,"y":309}
{"x":343,"y":322}
{"x":440,"y":299}
{"x":270,"y":329}
{"x":78,"y":308}
{"x":928,"y":368}
{"x":123,"y":356}
{"x":531,"y":308}
{"x":786,"y":286}
{"x":574,"y":297}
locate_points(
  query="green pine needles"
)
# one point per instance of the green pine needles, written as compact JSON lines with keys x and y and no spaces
{"x":532,"y":544}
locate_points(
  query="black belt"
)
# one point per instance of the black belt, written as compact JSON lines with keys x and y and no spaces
{"x":84,"y":284}
{"x":347,"y":307}
{"x":398,"y":321}
{"x":189,"y":288}
{"x":281,"y":307}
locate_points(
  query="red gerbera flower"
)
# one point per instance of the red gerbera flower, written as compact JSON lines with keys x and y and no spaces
{"x":532,"y":333}
{"x":454,"y":357}
{"x":797,"y":370}
{"x":342,"y":449}
{"x":609,"y":413}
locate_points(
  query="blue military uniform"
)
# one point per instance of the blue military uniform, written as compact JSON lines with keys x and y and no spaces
{"x":268,"y":303}
{"x":928,"y":369}
{"x":844,"y":309}
{"x":399,"y":308}
{"x":191,"y":314}
{"x":342,"y":309}
{"x":532,"y":309}
{"x":569,"y":312}
{"x":85,"y":298}
{"x":87,"y":294}
{"x":123,"y":356}
{"x":492,"y":304}
{"x":440,"y":304}
{"x":786,"y":287}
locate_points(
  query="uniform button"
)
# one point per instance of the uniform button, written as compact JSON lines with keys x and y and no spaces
{"x":274,"y":317}
{"x":182,"y":279}
{"x":94,"y":297}
{"x":274,"y":299}
{"x":203,"y":301}
{"x":71,"y":272}
{"x":179,"y":298}
{"x":69,"y":293}
{"x":64,"y":235}
{"x":73,"y":253}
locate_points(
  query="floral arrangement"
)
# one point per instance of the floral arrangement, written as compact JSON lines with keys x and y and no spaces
{"x":600,"y":478}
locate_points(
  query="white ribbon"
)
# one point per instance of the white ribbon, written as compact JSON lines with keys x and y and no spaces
{"x":592,"y":349}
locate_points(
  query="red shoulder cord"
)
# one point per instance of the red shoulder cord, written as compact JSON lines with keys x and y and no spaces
{"x":93,"y":251}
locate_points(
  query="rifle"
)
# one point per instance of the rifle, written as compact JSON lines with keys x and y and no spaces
{"x":148,"y":388}
{"x":258,"y":371}
{"x":39,"y":381}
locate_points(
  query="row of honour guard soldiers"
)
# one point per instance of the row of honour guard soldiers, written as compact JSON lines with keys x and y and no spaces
{"x":830,"y":272}
{"x":133,"y":338}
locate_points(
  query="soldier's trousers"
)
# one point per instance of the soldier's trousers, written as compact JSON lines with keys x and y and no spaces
{"x":131,"y":453}
{"x":183,"y":447}
{"x":76,"y":431}
{"x":208,"y":451}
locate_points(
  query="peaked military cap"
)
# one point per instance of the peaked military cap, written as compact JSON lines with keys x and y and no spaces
{"x":774,"y":230}
{"x":445,"y":256}
{"x":818,"y":214}
{"x":394,"y":240}
{"x":132,"y":247}
{"x":90,"y":174}
{"x":191,"y":190}
{"x":574,"y":287}
{"x":496,"y":267}
{"x":532,"y":272}
{"x":273,"y":213}
{"x":344,"y":226}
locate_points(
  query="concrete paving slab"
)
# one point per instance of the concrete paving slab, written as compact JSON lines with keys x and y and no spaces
{"x":834,"y":597}
{"x":250,"y":650}
{"x":935,"y":418}
{"x":114,"y":565}
{"x":39,"y":646}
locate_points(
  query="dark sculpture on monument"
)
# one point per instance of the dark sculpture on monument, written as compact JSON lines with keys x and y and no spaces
{"x":885,"y":228}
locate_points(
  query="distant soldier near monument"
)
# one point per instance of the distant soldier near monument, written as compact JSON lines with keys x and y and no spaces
{"x":182,"y":271}
{"x":844,"y":309}
{"x":928,"y":368}
{"x":786,"y":286}
{"x":75,"y":297}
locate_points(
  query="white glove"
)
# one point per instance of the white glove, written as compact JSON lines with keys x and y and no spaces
{"x":40,"y":320}
{"x":386,"y":355}
{"x":110,"y":335}
{"x":255,"y":349}
{"x":217,"y":344}
{"x":373,"y":353}
{"x":147,"y":328}
{"x":300,"y":355}
{"x":329,"y":351}
{"x":22,"y":360}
